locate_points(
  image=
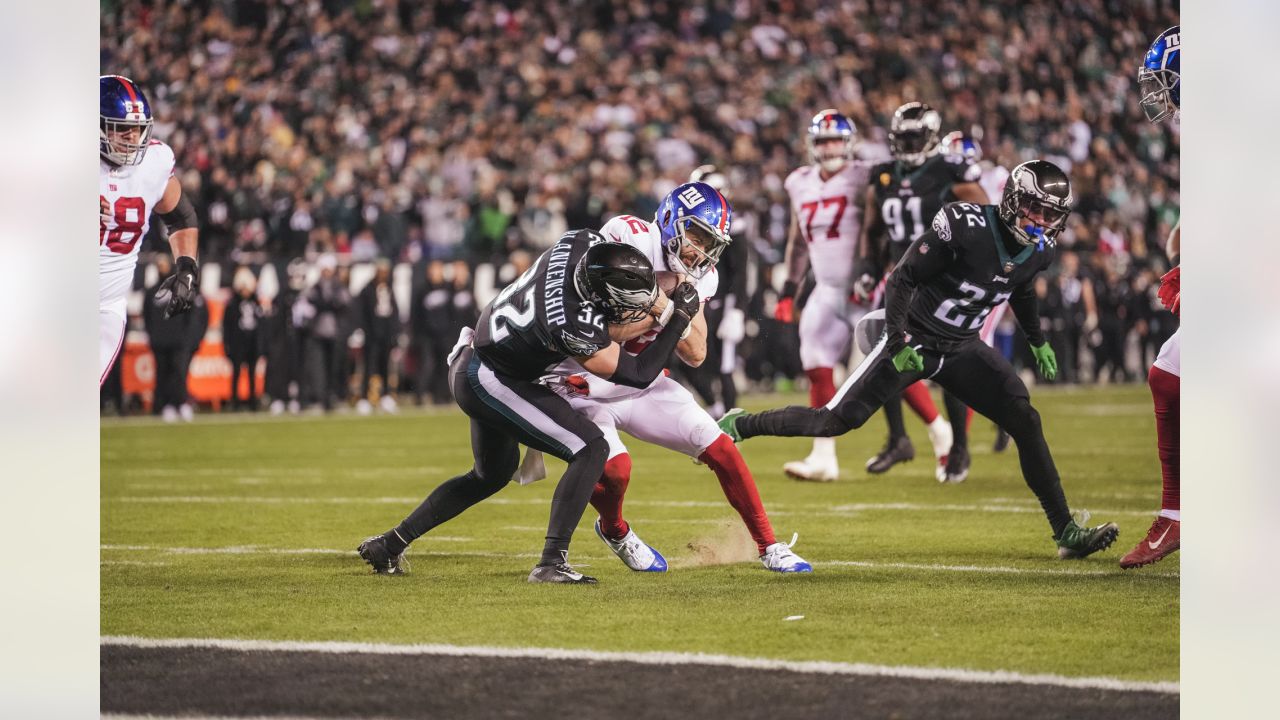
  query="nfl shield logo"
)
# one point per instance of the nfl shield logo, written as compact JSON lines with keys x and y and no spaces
{"x":924,"y":248}
{"x":1008,"y":267}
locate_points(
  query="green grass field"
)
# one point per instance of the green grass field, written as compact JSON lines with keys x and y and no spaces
{"x":246,"y":528}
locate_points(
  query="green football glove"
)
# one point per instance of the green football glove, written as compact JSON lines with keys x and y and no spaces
{"x":1046,"y":361}
{"x":907,"y":359}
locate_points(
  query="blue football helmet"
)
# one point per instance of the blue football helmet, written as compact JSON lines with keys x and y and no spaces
{"x":1159,"y":79}
{"x":694,"y":217}
{"x":126,"y":122}
{"x":958,"y":145}
{"x":831,"y":124}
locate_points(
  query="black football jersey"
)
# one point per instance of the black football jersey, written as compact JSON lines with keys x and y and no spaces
{"x":979,"y":273}
{"x":539,"y":320}
{"x":908,"y":198}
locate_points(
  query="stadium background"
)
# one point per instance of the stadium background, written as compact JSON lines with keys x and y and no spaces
{"x":453,"y":142}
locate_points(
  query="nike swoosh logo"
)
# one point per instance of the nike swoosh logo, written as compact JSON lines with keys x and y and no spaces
{"x":1156,"y":544}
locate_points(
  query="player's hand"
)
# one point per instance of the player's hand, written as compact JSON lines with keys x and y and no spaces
{"x":687,"y":302}
{"x":1170,"y":292}
{"x":178,"y":292}
{"x":1046,"y":361}
{"x":733,"y":326}
{"x":785,"y":310}
{"x":863,"y":287}
{"x":908,"y":360}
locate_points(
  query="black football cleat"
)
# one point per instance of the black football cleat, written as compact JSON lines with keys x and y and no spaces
{"x":956,"y":468}
{"x":895,"y":451}
{"x":374,"y":551}
{"x":560,"y":573}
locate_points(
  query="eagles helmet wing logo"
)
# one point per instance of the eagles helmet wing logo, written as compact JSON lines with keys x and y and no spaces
{"x":622,"y":297}
{"x":577,"y":346}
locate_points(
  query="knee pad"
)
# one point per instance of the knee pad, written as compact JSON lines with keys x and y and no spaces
{"x":595,"y":452}
{"x":834,"y":425}
{"x":1024,"y":416}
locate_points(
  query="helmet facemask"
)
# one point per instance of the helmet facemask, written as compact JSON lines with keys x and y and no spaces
{"x":1156,"y":89}
{"x":696,"y":247}
{"x":1033,"y":218}
{"x":830,"y":156}
{"x":115,"y":143}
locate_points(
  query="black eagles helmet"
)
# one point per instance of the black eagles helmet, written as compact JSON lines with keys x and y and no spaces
{"x":618,"y":279}
{"x":1036,"y":202}
{"x":914,"y":132}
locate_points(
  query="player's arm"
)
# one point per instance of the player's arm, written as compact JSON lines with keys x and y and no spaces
{"x":1170,"y":292}
{"x":797,"y":262}
{"x":924,"y":260}
{"x":970,"y":192}
{"x":639,"y":370}
{"x":871,"y":249}
{"x":692,"y":350}
{"x":1026,"y":308}
{"x":178,"y":291}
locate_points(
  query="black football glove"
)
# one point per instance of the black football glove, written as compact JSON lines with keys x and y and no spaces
{"x":686,"y":300}
{"x":178,"y":292}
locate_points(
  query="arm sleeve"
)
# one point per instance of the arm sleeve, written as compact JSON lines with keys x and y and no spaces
{"x":1027,"y":309}
{"x":927,"y":257}
{"x":638,"y":371}
{"x":182,"y":216}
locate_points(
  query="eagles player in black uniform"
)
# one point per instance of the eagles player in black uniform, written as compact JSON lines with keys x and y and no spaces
{"x":904,"y":194}
{"x":563,"y":306}
{"x":973,"y":258}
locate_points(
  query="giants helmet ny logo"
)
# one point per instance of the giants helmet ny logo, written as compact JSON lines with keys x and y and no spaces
{"x":691,"y":197}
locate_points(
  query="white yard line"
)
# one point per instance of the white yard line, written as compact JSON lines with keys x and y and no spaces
{"x":774,"y":508}
{"x":659,"y":658}
{"x":819,"y":564}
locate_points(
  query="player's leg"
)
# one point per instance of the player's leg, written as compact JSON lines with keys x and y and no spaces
{"x":982,"y":379}
{"x":111,"y":322}
{"x":954,"y":465}
{"x":824,"y":337}
{"x":862,"y":394}
{"x":1164,"y":536}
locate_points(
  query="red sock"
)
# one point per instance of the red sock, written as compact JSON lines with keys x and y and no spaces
{"x":821,"y":387}
{"x":968,"y":420}
{"x":1165,"y":391}
{"x":607,"y":497}
{"x":917,"y":396}
{"x":740,"y":488}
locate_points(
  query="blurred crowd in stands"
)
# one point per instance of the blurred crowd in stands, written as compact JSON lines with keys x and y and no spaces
{"x":367,"y":172}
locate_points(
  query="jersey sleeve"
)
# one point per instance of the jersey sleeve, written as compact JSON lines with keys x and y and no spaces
{"x":580,"y":339}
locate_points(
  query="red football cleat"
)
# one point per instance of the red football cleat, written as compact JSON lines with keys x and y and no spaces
{"x":1162,"y":539}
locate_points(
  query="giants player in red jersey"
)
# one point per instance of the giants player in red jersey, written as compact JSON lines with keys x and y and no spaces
{"x":825,"y":219}
{"x":135,"y":179}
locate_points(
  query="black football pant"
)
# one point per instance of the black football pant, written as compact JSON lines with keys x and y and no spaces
{"x":975,"y":373}
{"x":506,"y":413}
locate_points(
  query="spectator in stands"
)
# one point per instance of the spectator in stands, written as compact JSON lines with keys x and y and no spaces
{"x":431,"y":320}
{"x":242,"y":336}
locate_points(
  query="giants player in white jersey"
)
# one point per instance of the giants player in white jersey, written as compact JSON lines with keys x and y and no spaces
{"x":1160,"y":82}
{"x":825,"y":219}
{"x":135,"y":179}
{"x":683,"y":242}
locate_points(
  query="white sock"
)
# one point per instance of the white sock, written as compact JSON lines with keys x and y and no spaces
{"x":824,"y":449}
{"x":1174,"y":515}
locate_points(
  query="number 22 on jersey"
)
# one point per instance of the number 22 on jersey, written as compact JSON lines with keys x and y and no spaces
{"x":514,"y":306}
{"x":129,"y":215}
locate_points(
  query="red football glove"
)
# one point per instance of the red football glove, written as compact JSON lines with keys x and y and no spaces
{"x":785,"y":311}
{"x":1171,"y":291}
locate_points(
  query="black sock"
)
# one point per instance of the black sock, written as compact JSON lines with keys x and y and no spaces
{"x":893,"y":415}
{"x":443,"y":504}
{"x":958,"y":414}
{"x":572,"y":494}
{"x":395,"y":544}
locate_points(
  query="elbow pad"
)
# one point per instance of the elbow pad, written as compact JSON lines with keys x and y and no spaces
{"x":182,"y":216}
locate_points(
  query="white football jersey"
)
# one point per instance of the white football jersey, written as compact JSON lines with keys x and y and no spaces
{"x":129,"y":194}
{"x":829,"y":213}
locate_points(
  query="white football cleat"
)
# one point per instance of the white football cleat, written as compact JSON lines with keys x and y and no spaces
{"x":633,"y":552}
{"x":778,"y":557}
{"x":364,"y":407}
{"x":813,"y":469}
